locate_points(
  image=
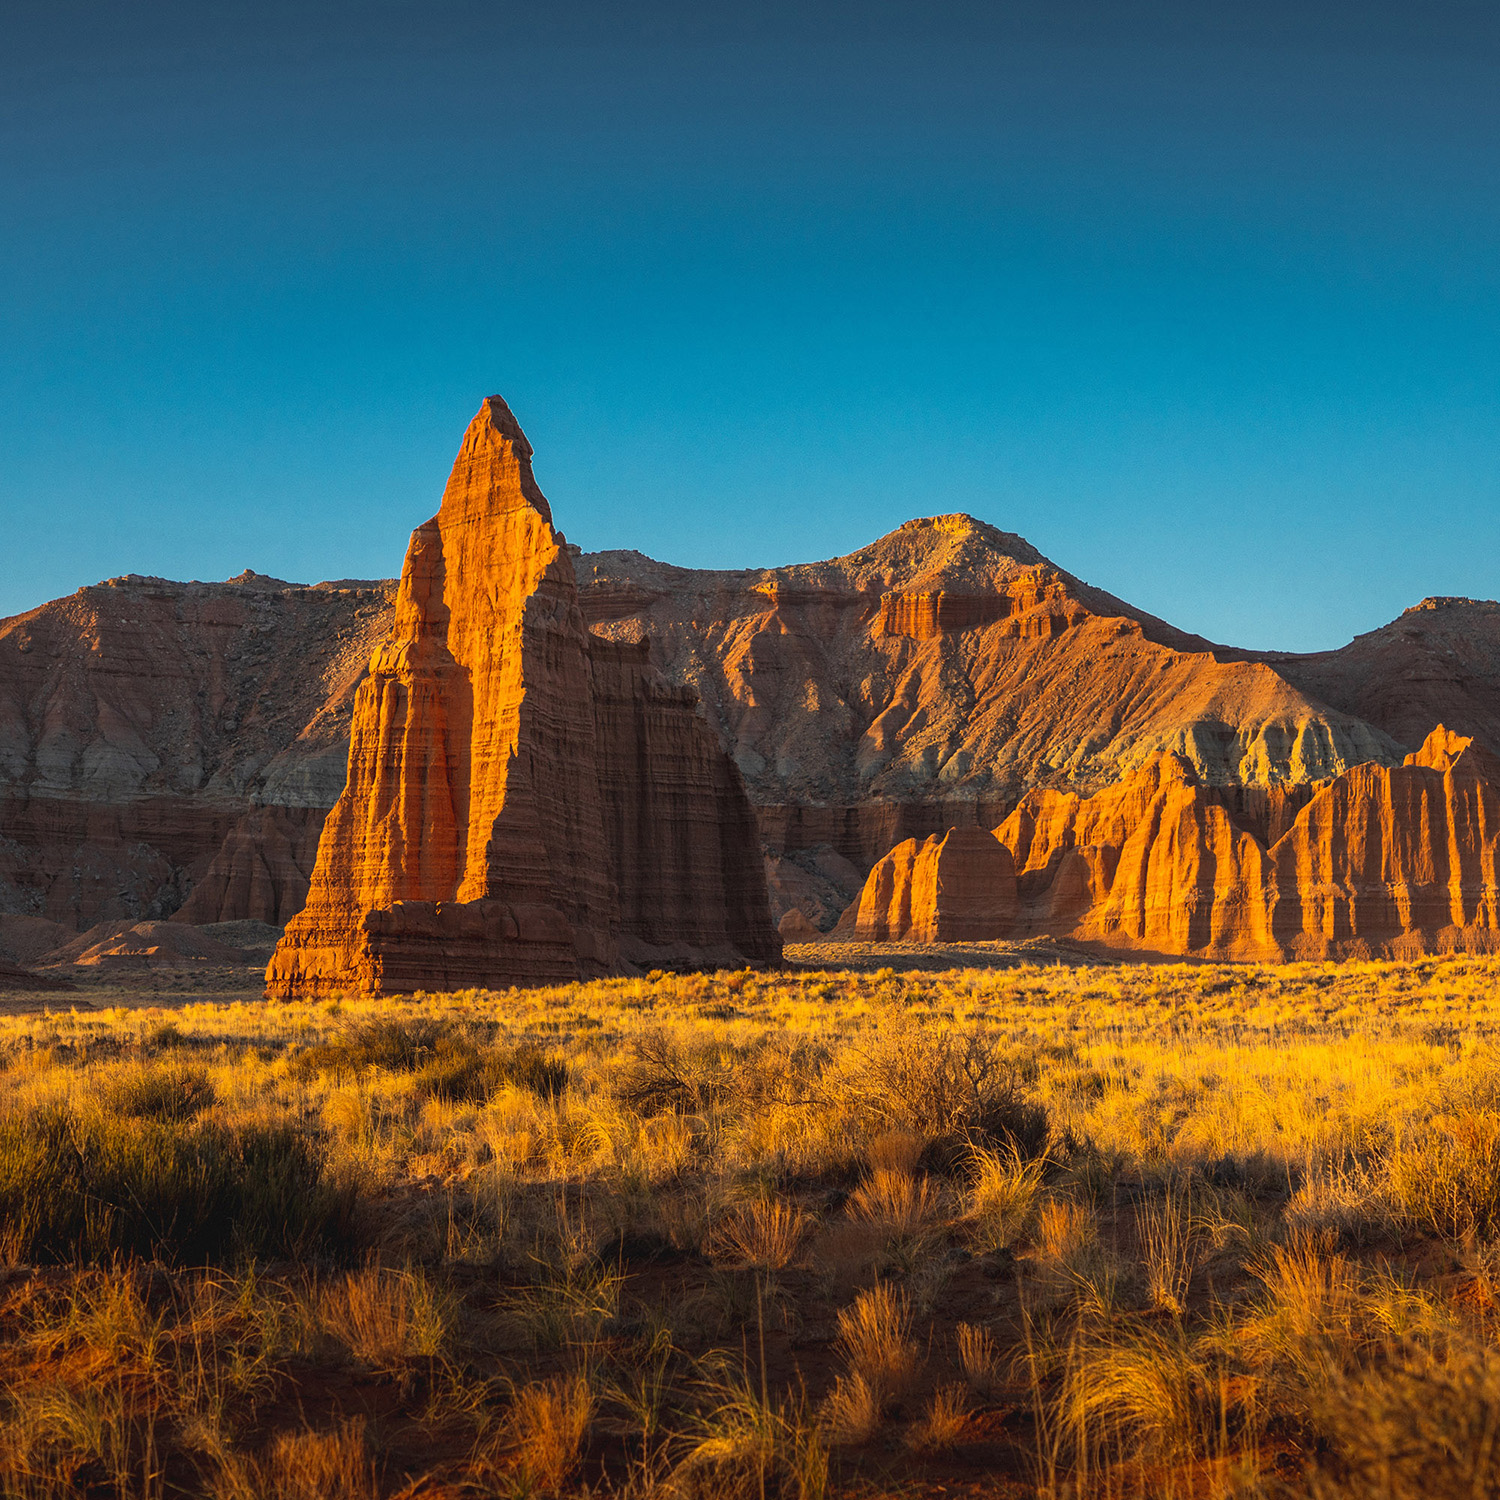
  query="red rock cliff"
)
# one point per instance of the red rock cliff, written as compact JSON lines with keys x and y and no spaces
{"x":470,"y":845}
{"x":1381,"y":861}
{"x":956,"y":887}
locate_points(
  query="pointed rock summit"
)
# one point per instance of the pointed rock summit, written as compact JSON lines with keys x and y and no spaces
{"x":471,"y":845}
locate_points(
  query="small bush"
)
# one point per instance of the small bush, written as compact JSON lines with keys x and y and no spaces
{"x":1446,"y":1179}
{"x":160,"y":1093}
{"x":953,"y":1088}
{"x":448,"y":1064}
{"x":394,"y":1046}
{"x":91,"y":1188}
{"x":1423,"y":1429}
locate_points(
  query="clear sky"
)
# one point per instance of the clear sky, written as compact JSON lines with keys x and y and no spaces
{"x":1203,"y":299}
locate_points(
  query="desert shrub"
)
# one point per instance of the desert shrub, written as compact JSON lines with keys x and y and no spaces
{"x":394,"y":1046}
{"x":92,"y":1188}
{"x":160,"y":1093}
{"x":664,"y":1075}
{"x":1422,"y":1427}
{"x":953,"y":1087}
{"x":468,"y":1075}
{"x":448,"y":1063}
{"x":1445,"y":1178}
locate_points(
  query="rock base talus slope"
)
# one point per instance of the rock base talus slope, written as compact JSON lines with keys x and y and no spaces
{"x":470,"y":845}
{"x":956,"y":888}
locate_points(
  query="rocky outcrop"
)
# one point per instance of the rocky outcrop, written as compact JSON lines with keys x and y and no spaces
{"x":683,"y":843}
{"x":946,"y":668}
{"x":1438,"y":663}
{"x":1380,"y":861}
{"x":1395,"y":861}
{"x":262,"y":870}
{"x":957,"y":888}
{"x":169,"y":749}
{"x":141,"y":720}
{"x":504,"y":784}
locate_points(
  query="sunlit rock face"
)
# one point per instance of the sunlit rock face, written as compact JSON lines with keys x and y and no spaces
{"x":957,"y":887}
{"x":1381,"y":861}
{"x":472,"y":844}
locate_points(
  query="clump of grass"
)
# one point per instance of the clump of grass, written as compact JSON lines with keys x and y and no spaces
{"x":1168,"y":1249}
{"x":1424,"y":1425}
{"x":751,"y":1447}
{"x":942,"y":1421}
{"x":1445,"y":1178}
{"x":307,"y":1465}
{"x":1001,"y":1197}
{"x":448,"y":1064}
{"x":1064,"y":1230}
{"x":545,"y":1431}
{"x":87,"y":1187}
{"x":1137,"y":1391}
{"x":387,"y":1317}
{"x":765,"y":1232}
{"x":978,"y":1358}
{"x":158,"y":1092}
{"x":898,"y":1202}
{"x":875,"y":1339}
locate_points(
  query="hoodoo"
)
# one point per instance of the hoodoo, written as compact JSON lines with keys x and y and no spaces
{"x":507,"y":772}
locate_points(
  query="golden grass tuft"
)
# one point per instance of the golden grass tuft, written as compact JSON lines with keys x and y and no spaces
{"x":546,"y":1429}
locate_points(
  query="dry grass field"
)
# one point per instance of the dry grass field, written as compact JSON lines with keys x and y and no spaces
{"x":1040,"y":1230}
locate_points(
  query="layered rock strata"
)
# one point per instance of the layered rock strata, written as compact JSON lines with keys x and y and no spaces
{"x":1382,"y":861}
{"x":506,"y":778}
{"x":935,"y":676}
{"x":141,"y":720}
{"x":959,"y":887}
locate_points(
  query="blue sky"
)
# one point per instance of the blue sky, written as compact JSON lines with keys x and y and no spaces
{"x":1202,"y":299}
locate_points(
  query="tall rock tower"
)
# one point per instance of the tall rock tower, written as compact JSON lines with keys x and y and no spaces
{"x":470,"y":846}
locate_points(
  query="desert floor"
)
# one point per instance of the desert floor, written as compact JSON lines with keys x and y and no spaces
{"x":1032,"y":1225}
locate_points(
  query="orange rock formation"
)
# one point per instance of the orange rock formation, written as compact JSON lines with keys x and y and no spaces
{"x":959,"y":887}
{"x":471,"y":844}
{"x":1380,"y":861}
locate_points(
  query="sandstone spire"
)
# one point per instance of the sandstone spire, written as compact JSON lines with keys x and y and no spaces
{"x":469,"y":845}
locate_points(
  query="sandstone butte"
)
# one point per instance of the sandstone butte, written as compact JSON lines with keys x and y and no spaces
{"x":523,"y":802}
{"x":1378,"y":862}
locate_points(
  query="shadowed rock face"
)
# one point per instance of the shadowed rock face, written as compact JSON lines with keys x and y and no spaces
{"x":471,"y":844}
{"x":1382,"y":861}
{"x":142,"y":720}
